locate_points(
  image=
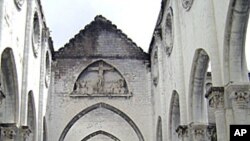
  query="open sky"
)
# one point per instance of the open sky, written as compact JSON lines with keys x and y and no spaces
{"x":136,"y":18}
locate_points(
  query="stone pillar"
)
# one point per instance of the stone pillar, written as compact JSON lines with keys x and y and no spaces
{"x":182,"y":131}
{"x":8,"y":132}
{"x":238,"y":100}
{"x":215,"y":96}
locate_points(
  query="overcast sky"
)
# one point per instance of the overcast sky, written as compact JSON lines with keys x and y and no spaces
{"x":136,"y":18}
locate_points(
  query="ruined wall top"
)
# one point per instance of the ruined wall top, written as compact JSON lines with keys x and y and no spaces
{"x":101,"y":39}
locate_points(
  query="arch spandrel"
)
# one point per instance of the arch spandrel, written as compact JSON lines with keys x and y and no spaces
{"x":100,"y":79}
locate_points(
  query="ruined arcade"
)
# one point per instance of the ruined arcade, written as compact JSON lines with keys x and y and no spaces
{"x":100,"y":86}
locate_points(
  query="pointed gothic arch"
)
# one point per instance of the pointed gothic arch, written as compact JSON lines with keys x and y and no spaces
{"x":31,"y":119}
{"x":102,"y":133}
{"x":197,"y":105}
{"x":100,"y":79}
{"x":235,"y":66}
{"x":9,"y":86}
{"x":108,"y":107}
{"x":174,"y":116}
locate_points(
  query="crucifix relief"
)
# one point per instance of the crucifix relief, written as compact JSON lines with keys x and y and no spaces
{"x":100,"y":79}
{"x":100,"y":69}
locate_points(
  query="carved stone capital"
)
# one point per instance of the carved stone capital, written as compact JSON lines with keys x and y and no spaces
{"x":215,"y":96}
{"x":203,"y":131}
{"x":198,"y":129}
{"x":239,"y":94}
{"x":25,"y":131}
{"x":182,"y":131}
{"x":8,"y":130}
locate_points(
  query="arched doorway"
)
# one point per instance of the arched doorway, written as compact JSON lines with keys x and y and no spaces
{"x":174,"y":116}
{"x":9,"y":86}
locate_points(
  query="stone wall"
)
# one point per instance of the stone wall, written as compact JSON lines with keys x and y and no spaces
{"x":85,"y":97}
{"x":24,"y":41}
{"x":189,"y":37}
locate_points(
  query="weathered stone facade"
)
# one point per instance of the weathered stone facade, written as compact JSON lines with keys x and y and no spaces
{"x":25,"y":49}
{"x":101,"y":80}
{"x":190,"y":36}
{"x":102,"y":86}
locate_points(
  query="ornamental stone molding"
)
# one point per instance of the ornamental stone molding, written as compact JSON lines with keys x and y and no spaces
{"x":100,"y":79}
{"x":211,"y":132}
{"x":182,"y":131}
{"x":8,"y":130}
{"x":203,"y":131}
{"x":198,"y":131}
{"x":25,"y":131}
{"x":187,"y":4}
{"x":239,"y":95}
{"x":19,"y":3}
{"x":215,"y":96}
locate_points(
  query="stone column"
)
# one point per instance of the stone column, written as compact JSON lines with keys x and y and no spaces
{"x":215,"y":96}
{"x":238,"y":100}
{"x":8,"y":132}
{"x":182,"y":131}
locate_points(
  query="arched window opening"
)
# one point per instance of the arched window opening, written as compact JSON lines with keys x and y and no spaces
{"x":197,"y":102}
{"x":174,"y":116}
{"x":155,"y":66}
{"x":169,"y":31}
{"x":47,"y":69}
{"x":9,"y":87}
{"x":31,"y":120}
{"x":36,"y":34}
{"x":159,"y":129}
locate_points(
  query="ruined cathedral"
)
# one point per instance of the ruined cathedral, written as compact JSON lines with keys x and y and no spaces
{"x":100,"y":86}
